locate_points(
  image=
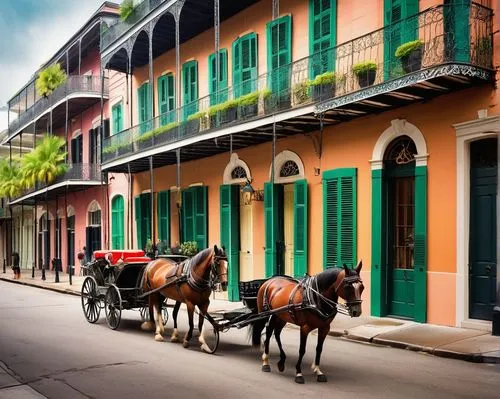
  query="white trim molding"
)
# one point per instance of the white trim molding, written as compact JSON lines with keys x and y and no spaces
{"x":93,"y":206}
{"x":399,"y":127}
{"x":233,"y":163}
{"x":70,"y":211}
{"x":467,"y":132}
{"x":280,"y":160}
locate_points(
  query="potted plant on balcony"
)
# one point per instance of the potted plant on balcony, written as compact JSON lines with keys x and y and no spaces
{"x":192,"y":123}
{"x":189,"y":248}
{"x":323,"y":86}
{"x":110,"y":152}
{"x":164,"y":133}
{"x":223,"y":113}
{"x":126,"y":9}
{"x":249,"y":105}
{"x":145,"y":140}
{"x":365,"y":72}
{"x":300,"y":93}
{"x":410,"y":55}
{"x":50,"y":79}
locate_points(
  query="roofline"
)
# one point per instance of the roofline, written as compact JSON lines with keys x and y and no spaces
{"x":99,"y":13}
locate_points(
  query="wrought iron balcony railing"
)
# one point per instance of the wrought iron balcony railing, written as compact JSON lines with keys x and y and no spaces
{"x":323,"y":76}
{"x":74,"y":84}
{"x":110,"y":34}
{"x":75,"y":172}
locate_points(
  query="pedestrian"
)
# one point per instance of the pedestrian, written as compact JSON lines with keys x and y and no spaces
{"x":15,"y":266}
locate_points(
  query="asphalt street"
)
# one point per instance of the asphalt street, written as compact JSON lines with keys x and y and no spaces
{"x":47,"y":348}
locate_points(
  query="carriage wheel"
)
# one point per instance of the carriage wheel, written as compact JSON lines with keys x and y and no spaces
{"x":90,"y":299}
{"x":144,"y":311}
{"x":113,"y":307}
{"x":164,"y":310}
{"x":210,"y":335}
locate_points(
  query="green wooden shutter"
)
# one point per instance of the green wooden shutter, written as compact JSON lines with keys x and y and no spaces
{"x":457,"y":30}
{"x":420,"y":255}
{"x":201,"y":216}
{"x":117,"y":214}
{"x":166,"y":98}
{"x":138,"y":221}
{"x":322,"y":35}
{"x":163,"y":212}
{"x":230,"y":235}
{"x":339,"y":217}
{"x":221,"y":96}
{"x":116,"y":114}
{"x":300,"y":194}
{"x":146,"y":218}
{"x":279,"y":53}
{"x":187,"y":215}
{"x":245,"y":64}
{"x":273,"y":202}
{"x":144,"y":107}
{"x":190,"y":87}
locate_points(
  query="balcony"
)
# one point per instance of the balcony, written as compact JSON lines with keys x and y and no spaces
{"x":450,"y":58}
{"x":83,"y":91}
{"x":77,"y":177}
{"x":111,"y":34}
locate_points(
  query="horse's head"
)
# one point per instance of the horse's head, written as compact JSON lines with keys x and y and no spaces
{"x":350,"y":287}
{"x":220,"y":265}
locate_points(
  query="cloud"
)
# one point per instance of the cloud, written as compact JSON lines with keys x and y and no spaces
{"x":32,"y":32}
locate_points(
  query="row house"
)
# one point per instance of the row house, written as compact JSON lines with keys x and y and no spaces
{"x":307,"y":134}
{"x":58,"y":220}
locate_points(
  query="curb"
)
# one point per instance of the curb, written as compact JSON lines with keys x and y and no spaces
{"x":469,"y":357}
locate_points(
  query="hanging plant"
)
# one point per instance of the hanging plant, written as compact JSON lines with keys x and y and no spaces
{"x":50,"y":79}
{"x":126,"y":9}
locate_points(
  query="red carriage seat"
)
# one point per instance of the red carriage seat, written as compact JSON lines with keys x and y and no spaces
{"x":124,"y":255}
{"x":138,"y":259}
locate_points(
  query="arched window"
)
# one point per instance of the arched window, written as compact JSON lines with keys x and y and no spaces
{"x":236,"y":171}
{"x":94,"y":214}
{"x":288,"y":168}
{"x":117,"y":222}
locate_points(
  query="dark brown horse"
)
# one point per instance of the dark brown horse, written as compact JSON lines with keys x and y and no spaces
{"x":190,"y":282}
{"x":311,"y":304}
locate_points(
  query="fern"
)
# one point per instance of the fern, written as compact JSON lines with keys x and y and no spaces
{"x":50,"y":79}
{"x":126,"y":9}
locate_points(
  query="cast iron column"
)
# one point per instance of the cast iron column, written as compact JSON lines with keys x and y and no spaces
{"x":495,"y":326}
{"x":57,"y":230}
{"x":217,"y":47}
{"x":35,"y":238}
{"x":151,"y":73}
{"x":151,"y":184}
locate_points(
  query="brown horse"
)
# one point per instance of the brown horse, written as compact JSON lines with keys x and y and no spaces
{"x":190,"y":282}
{"x":310,"y":304}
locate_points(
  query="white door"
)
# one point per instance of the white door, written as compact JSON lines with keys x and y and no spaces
{"x":246,"y":257}
{"x":288,"y":227}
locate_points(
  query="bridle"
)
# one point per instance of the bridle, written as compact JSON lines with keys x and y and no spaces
{"x":200,"y":283}
{"x":349,"y":281}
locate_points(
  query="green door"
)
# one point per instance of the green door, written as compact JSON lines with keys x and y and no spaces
{"x":195,"y":215}
{"x":279,"y":55}
{"x":482,"y":236}
{"x":144,"y":107}
{"x":230,"y":235}
{"x":457,"y":30}
{"x":217,"y":88}
{"x":166,"y":98}
{"x":400,"y":240}
{"x":245,"y":64}
{"x":300,"y":211}
{"x":117,"y":215}
{"x":322,"y":35}
{"x":142,"y":204}
{"x":273,"y":225}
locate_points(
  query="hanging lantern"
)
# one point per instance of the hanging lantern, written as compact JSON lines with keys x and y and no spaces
{"x":248,"y":192}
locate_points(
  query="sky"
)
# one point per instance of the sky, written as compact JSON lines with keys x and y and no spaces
{"x":31,"y":32}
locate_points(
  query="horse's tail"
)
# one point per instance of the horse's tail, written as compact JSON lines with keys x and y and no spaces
{"x":255,"y":330}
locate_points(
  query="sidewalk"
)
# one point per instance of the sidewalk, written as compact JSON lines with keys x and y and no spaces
{"x":459,"y":343}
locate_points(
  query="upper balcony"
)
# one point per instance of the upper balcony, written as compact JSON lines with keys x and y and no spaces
{"x":78,"y":177}
{"x":81,"y":92}
{"x":289,"y":100}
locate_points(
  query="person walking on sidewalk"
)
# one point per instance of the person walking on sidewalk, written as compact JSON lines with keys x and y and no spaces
{"x":15,"y":266}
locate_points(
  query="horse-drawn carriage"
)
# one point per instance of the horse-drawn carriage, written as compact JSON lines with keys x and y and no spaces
{"x":113,"y":283}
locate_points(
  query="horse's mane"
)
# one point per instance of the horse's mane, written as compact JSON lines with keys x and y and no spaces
{"x":328,"y":277}
{"x":200,"y":256}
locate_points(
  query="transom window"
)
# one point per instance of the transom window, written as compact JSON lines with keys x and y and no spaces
{"x":289,"y":168}
{"x":239,"y":173}
{"x":402,"y":151}
{"x":95,"y":218}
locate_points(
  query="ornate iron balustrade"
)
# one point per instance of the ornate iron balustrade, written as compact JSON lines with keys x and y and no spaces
{"x":77,"y":171}
{"x":74,"y":84}
{"x":113,"y":32}
{"x":293,"y":85}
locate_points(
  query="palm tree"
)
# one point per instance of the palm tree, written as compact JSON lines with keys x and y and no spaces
{"x":10,"y":178}
{"x":44,"y":164}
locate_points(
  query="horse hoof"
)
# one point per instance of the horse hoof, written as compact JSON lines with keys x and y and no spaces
{"x":147,"y":326}
{"x":266,"y":368}
{"x":281,"y":366}
{"x":299,"y":379}
{"x":185,"y":344}
{"x":174,"y":339}
{"x":159,"y":338}
{"x":322,"y":378}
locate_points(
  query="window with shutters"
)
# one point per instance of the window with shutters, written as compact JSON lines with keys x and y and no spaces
{"x":144,"y":106}
{"x":142,"y":205}
{"x":339,"y":217}
{"x":322,"y":35}
{"x":279,"y":53}
{"x":77,"y":150}
{"x":190,"y":88}
{"x":166,"y":98}
{"x":163,"y":204}
{"x":245,"y":65}
{"x":195,"y":215}
{"x":117,"y":117}
{"x":117,"y":222}
{"x":217,"y":88}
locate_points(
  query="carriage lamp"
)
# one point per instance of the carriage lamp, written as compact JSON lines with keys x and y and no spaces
{"x":249,"y":194}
